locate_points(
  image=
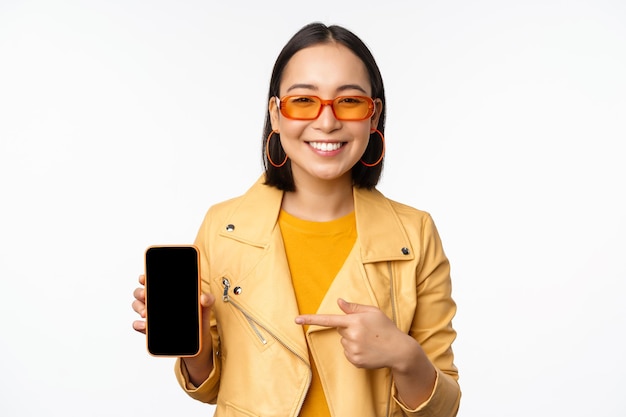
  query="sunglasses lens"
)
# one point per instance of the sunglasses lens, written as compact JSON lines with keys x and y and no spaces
{"x":353,"y":108}
{"x":301,"y":107}
{"x":309,"y":107}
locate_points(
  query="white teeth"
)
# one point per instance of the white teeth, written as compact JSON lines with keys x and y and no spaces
{"x":325,"y":146}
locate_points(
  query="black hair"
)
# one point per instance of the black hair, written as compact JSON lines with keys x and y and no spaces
{"x":310,"y":35}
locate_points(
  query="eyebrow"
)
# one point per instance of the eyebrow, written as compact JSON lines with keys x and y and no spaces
{"x":340,"y":89}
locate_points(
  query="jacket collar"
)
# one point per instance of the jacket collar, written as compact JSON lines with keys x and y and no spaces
{"x":380,"y":232}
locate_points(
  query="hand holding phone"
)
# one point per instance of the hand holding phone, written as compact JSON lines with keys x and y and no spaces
{"x":173,"y":311}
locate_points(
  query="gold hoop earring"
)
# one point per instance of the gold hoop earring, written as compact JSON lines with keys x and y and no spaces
{"x":382,"y":138}
{"x":267,"y":151}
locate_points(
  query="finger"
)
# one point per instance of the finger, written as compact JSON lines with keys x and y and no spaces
{"x":139,"y":326}
{"x":140,"y":308}
{"x":351,"y":308}
{"x":324,"y":320}
{"x":207,"y":300}
{"x":142,"y":279}
{"x":345,"y":306}
{"x":140,"y":294}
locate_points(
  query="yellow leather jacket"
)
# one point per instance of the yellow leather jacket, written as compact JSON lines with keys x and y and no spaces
{"x":260,"y":355}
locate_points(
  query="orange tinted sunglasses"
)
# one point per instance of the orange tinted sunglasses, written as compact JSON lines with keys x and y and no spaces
{"x":347,"y":108}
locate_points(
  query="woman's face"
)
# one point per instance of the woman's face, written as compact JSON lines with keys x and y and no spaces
{"x":324,"y":149}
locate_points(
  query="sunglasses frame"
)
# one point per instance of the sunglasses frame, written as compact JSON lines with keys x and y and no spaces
{"x":281,"y":102}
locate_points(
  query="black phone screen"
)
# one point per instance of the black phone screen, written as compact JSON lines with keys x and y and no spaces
{"x":172,"y":300}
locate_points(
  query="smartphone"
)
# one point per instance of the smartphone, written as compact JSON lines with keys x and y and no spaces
{"x":173,"y":312}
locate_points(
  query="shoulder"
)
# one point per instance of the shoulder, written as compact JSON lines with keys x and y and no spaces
{"x":416,"y":222}
{"x":407,"y":214}
{"x":256,"y":193}
{"x":253,"y":214}
{"x":406,"y":210}
{"x":225,"y":206}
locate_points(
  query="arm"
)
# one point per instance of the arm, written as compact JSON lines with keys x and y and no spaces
{"x":200,"y":366}
{"x":199,"y":376}
{"x":421,"y":362}
{"x":191,"y":372}
{"x":431,"y":328}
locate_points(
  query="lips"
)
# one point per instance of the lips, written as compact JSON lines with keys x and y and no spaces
{"x":326,"y":146}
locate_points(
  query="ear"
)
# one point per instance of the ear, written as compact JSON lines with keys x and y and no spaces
{"x":274,"y":113}
{"x":378,"y":110}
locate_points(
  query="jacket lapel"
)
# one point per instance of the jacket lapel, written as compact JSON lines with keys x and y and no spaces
{"x":266,"y":280}
{"x":380,"y":238}
{"x":267,"y":292}
{"x":380,"y":232}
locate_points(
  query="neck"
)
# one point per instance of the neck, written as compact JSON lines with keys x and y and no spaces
{"x":320,"y":200}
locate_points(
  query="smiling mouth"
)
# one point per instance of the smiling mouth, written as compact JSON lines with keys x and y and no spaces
{"x":326,"y":146}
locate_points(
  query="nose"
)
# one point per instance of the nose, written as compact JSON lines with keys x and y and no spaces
{"x":327,"y":120}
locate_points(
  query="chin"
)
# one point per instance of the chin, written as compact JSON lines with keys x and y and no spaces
{"x":331,"y":176}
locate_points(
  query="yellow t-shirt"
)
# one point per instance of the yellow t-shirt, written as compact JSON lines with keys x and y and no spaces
{"x":316,"y":251}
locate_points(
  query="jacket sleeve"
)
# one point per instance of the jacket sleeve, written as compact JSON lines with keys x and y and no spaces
{"x":432,"y":325}
{"x":207,"y":391}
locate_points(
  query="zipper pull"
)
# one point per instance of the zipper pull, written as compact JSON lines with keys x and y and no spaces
{"x":226,"y":284}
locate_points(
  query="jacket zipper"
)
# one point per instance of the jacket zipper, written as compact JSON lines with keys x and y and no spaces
{"x":251,"y":322}
{"x":255,"y":327}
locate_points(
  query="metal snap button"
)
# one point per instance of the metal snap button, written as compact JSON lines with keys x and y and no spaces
{"x":230,"y":227}
{"x":405,"y":251}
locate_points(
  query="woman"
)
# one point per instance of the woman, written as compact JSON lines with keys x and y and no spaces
{"x":331,"y":299}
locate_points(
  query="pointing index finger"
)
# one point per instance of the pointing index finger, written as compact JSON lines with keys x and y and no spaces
{"x":324,"y":320}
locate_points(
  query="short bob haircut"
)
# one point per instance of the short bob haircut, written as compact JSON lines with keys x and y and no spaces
{"x":310,"y":35}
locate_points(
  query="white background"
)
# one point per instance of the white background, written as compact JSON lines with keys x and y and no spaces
{"x":121,"y":122}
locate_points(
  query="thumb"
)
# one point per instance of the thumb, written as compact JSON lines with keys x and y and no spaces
{"x":206,"y":301}
{"x":350,"y":308}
